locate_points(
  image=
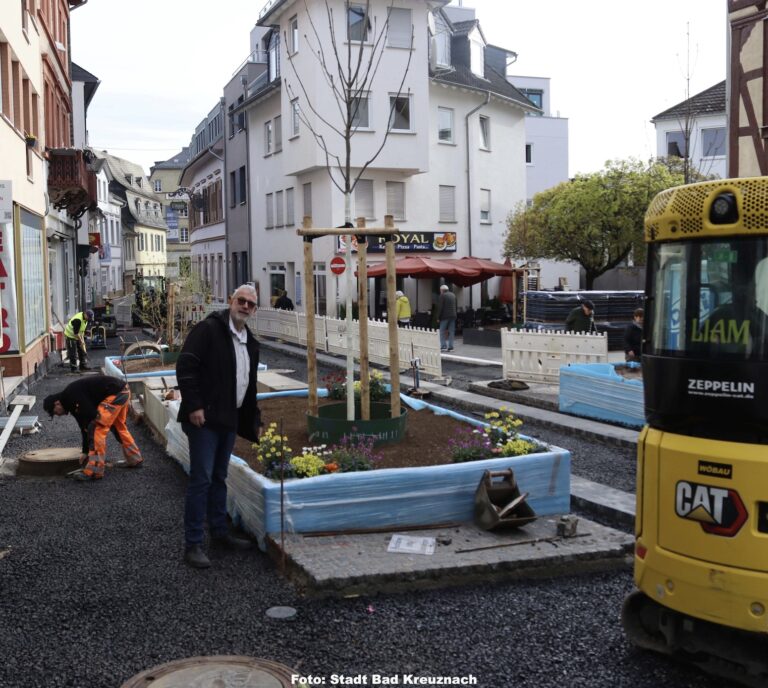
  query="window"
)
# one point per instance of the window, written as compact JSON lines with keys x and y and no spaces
{"x":295,"y":117}
{"x":477,"y":57}
{"x":33,"y":270}
{"x":270,"y":216}
{"x":268,"y":138}
{"x":535,"y":95}
{"x":158,"y":185}
{"x":279,"y":209}
{"x":278,"y":128}
{"x":442,"y":43}
{"x":289,"y":213}
{"x":713,"y":142}
{"x":485,"y":132}
{"x":307,"y":194}
{"x":529,"y":153}
{"x":400,"y":113}
{"x":358,"y":23}
{"x":364,"y":199}
{"x":447,"y":204}
{"x":485,"y":206}
{"x":242,"y":187}
{"x":676,"y":144}
{"x":293,"y":35}
{"x":274,"y":55}
{"x":396,"y":200}
{"x":360,"y":113}
{"x":184,"y":235}
{"x":445,"y":125}
{"x":399,"y":28}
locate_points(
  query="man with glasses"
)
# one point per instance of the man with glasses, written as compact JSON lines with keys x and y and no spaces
{"x":216,"y":372}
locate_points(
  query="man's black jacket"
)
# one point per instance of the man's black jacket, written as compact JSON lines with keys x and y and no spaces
{"x":206,"y":372}
{"x":82,"y":399}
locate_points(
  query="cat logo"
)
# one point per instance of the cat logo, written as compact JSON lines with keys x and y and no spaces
{"x":719,"y":510}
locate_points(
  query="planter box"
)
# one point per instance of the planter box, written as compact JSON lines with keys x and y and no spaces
{"x":596,"y":390}
{"x":390,"y":498}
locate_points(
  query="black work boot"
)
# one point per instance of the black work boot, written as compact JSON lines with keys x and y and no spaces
{"x":196,"y":558}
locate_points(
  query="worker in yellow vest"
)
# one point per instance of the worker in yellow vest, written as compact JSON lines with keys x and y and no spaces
{"x":403,"y":309}
{"x":74,"y":333}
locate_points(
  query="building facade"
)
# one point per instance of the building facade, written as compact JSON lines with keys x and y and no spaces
{"x":697,"y":130}
{"x":203,"y":177}
{"x":164,"y":178}
{"x":748,"y":111}
{"x":145,"y":231}
{"x":35,"y":117}
{"x":454,"y":124}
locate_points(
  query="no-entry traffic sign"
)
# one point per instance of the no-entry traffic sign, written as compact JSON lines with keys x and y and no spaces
{"x":338,"y":265}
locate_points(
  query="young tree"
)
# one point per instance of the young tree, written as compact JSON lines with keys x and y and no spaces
{"x":595,"y":220}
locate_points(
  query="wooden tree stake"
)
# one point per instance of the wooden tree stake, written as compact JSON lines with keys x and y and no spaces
{"x":309,"y":309}
{"x":362,"y":302}
{"x":394,"y":349}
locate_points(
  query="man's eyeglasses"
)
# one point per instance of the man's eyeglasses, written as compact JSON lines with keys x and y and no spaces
{"x":246,"y":302}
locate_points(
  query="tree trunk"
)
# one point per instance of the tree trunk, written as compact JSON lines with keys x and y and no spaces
{"x":350,"y":355}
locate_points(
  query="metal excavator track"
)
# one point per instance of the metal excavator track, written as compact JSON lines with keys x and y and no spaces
{"x":739,"y":656}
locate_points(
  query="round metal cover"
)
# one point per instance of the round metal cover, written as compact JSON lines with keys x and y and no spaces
{"x":282,"y":613}
{"x":214,"y":672}
{"x":52,"y":461}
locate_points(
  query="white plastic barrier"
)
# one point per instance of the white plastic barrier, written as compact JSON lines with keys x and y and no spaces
{"x":537,"y":356}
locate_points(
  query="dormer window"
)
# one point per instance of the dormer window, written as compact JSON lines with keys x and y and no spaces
{"x":477,"y":55}
{"x":442,"y":42}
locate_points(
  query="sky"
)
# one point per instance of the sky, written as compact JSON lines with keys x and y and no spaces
{"x":613,"y":65}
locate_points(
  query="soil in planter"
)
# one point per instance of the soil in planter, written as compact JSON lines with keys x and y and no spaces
{"x":144,"y":365}
{"x":425,"y":443}
{"x":629,"y":373}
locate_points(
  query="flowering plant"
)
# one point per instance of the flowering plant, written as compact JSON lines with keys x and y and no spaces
{"x":354,"y":453}
{"x":336,"y":384}
{"x":498,"y":438}
{"x":351,"y":454}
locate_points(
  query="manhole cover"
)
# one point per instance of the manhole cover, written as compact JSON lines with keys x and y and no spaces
{"x":52,"y":461}
{"x":214,"y":672}
{"x":282,"y":613}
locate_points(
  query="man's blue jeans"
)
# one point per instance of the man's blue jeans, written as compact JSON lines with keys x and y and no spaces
{"x":209,"y":452}
{"x":447,"y":331}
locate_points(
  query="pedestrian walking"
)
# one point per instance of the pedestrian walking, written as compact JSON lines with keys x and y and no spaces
{"x":74,"y":333}
{"x":216,"y":372}
{"x":446,"y":316}
{"x":98,"y":403}
{"x":284,"y":302}
{"x":403,"y":309}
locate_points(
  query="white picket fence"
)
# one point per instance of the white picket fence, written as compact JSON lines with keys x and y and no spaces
{"x":331,"y":337}
{"x":533,"y":356}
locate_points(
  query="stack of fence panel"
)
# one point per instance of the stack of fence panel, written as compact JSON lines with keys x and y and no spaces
{"x":547,"y":310}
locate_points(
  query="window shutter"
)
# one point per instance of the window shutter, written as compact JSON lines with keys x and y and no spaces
{"x":270,"y":216}
{"x":307,"y":189}
{"x":364,"y":198}
{"x":279,"y":209}
{"x":447,"y":204}
{"x":289,"y":221}
{"x":399,"y":28}
{"x":396,"y":200}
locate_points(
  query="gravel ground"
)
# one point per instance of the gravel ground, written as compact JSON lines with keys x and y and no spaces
{"x":93,"y":590}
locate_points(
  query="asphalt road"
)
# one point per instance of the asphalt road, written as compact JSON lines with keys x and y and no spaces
{"x":93,"y":590}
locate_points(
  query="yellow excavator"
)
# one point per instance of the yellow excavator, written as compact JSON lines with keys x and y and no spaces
{"x":701,"y":551}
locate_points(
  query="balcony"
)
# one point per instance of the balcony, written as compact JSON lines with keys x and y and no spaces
{"x":71,"y":184}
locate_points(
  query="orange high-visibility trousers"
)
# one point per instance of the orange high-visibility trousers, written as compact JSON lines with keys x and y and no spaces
{"x":112,"y":414}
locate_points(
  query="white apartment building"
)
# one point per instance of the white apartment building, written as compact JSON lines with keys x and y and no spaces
{"x":450,"y":171}
{"x":696,"y":128}
{"x":106,"y":264}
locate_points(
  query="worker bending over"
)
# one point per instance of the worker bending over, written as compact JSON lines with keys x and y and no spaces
{"x":98,"y":404}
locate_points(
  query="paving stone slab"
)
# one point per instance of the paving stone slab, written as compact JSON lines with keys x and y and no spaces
{"x":341,"y":565}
